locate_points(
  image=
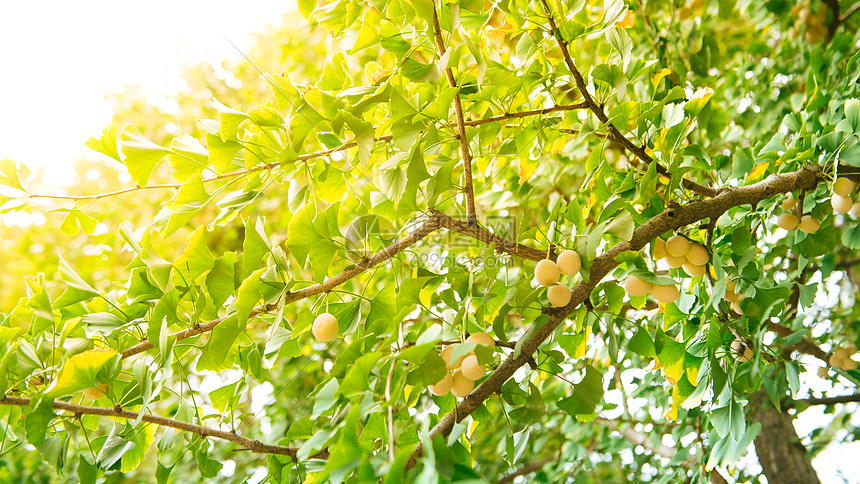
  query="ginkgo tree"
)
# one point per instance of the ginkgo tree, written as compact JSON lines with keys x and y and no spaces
{"x":528,"y":239}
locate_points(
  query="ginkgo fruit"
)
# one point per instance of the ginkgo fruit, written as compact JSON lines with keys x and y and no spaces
{"x":471,"y":369}
{"x":855,"y":209}
{"x":636,"y":287}
{"x":695,"y":270}
{"x":698,"y":255}
{"x":325,"y":327}
{"x":546,"y":272}
{"x":841,"y":204}
{"x":731,"y":295}
{"x":462,"y":385}
{"x":96,"y":392}
{"x":443,"y":386}
{"x":482,"y":339}
{"x":677,"y":246}
{"x":569,"y":262}
{"x":665,"y":294}
{"x":658,"y":249}
{"x":789,"y":202}
{"x":446,"y":355}
{"x":741,"y":351}
{"x":843,"y":187}
{"x":787,"y":221}
{"x":558,"y":295}
{"x":808,"y":224}
{"x":675,"y":262}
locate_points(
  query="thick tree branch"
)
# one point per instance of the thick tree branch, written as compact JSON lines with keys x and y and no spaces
{"x":671,"y":218}
{"x":465,"y":153}
{"x":252,"y":445}
{"x":598,"y":111}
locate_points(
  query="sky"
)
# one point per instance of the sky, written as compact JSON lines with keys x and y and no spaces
{"x":59,"y":59}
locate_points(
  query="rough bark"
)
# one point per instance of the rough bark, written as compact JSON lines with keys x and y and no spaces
{"x":780,"y":453}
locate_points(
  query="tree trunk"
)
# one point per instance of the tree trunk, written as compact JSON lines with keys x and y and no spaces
{"x":780,"y":453}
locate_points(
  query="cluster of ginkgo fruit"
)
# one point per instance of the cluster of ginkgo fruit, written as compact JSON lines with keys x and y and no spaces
{"x":466,"y":368}
{"x":789,"y":221}
{"x":677,"y":252}
{"x":548,"y":274}
{"x":841,"y":200}
{"x":811,"y":24}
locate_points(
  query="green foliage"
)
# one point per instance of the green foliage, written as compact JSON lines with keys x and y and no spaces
{"x":275,"y":197}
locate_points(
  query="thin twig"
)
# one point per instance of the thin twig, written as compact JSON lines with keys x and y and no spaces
{"x":598,"y":111}
{"x":468,"y":187}
{"x":390,"y":411}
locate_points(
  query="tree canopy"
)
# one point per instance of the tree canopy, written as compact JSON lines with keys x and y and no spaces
{"x":454,"y":241}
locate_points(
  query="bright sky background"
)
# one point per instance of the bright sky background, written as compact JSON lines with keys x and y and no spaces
{"x":59,"y":58}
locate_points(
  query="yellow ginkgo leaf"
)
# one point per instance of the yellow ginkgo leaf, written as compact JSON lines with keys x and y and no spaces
{"x":628,"y":21}
{"x":80,"y":372}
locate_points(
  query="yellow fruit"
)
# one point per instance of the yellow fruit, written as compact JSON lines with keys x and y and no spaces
{"x":472,"y":369}
{"x":325,"y":327}
{"x":677,"y":246}
{"x":546,"y":272}
{"x":808,"y":224}
{"x":698,"y":255}
{"x":665,"y":294}
{"x":675,"y":262}
{"x":482,"y":339}
{"x":569,"y":262}
{"x":695,"y":270}
{"x":446,"y":355}
{"x":843,"y":187}
{"x":658,"y":249}
{"x":558,"y":295}
{"x":462,"y":385}
{"x":789,"y":202}
{"x":841,"y":204}
{"x":855,"y":209}
{"x":96,"y":392}
{"x":443,"y":386}
{"x":636,"y":287}
{"x":822,"y":372}
{"x":787,"y":221}
{"x":848,"y":364}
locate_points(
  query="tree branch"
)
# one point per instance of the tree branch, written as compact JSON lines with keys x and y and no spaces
{"x":525,"y":470}
{"x":252,"y":445}
{"x":805,"y":345}
{"x":432,"y":224}
{"x":468,"y":187}
{"x":824,"y":400}
{"x":305,"y":157}
{"x":638,"y":438}
{"x":671,"y":218}
{"x":597,"y":109}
